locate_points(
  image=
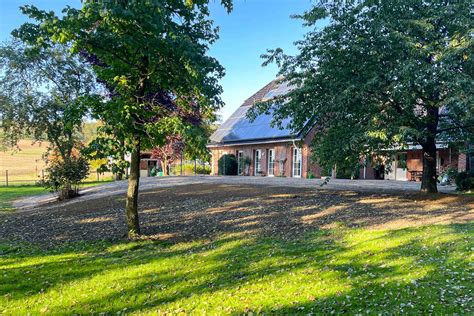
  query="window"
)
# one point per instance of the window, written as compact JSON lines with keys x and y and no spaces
{"x":240,"y":167}
{"x":297,"y":162}
{"x":258,"y":161}
{"x":271,"y":162}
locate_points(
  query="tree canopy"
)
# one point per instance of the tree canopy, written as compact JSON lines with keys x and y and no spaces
{"x":45,"y":93}
{"x":380,"y":75}
{"x":152,"y":58}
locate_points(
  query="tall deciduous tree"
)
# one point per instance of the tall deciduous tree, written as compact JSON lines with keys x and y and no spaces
{"x":152,"y":57}
{"x":380,"y":75}
{"x":45,"y":93}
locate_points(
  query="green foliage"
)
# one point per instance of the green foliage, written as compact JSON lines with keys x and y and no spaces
{"x":200,"y":169}
{"x":244,"y":165}
{"x":151,"y":57}
{"x":227,"y":165}
{"x":45,"y":93}
{"x":160,"y":80}
{"x":153,"y":172}
{"x":245,"y":161}
{"x":347,"y":173}
{"x":449,"y":175}
{"x":338,"y":271}
{"x":465,"y":181}
{"x":108,"y":150}
{"x":382,"y":74}
{"x":64,"y":176}
{"x":89,"y":131}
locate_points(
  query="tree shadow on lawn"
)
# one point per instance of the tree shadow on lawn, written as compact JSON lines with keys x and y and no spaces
{"x":424,"y":269}
{"x":195,"y":212}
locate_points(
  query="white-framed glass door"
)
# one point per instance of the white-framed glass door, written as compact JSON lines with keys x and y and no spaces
{"x":258,"y":161}
{"x":240,"y":167}
{"x":297,"y":158}
{"x":271,"y":162}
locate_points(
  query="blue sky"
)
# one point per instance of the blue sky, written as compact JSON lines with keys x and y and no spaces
{"x":245,"y":34}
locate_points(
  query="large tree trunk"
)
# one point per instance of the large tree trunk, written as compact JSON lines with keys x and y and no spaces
{"x":132,"y":193}
{"x":429,"y":181}
{"x":164,"y":166}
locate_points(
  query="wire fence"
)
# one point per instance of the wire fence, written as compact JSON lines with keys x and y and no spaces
{"x":189,"y":168}
{"x":33,"y":176}
{"x":178,"y":168}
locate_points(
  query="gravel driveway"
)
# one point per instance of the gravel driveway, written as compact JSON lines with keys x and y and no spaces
{"x":175,"y":210}
{"x":120,"y":187}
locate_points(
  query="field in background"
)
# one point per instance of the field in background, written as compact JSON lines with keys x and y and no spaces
{"x":25,"y":166}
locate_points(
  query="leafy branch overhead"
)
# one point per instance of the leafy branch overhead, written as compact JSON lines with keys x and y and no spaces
{"x":380,"y":75}
{"x":151,"y":57}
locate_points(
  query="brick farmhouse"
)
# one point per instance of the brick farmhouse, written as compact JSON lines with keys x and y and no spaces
{"x":277,"y":152}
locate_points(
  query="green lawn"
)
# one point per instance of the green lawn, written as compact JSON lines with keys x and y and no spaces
{"x":11,"y":193}
{"x":413,"y":270}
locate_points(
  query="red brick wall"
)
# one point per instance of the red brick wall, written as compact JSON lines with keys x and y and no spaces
{"x":283,"y":151}
{"x":462,"y":162}
{"x":143,"y":165}
{"x":415,"y":162}
{"x":308,"y":165}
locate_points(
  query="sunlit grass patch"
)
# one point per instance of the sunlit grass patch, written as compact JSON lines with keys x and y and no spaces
{"x":412,"y":270}
{"x":11,"y":193}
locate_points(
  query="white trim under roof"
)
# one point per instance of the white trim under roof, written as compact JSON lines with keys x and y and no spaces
{"x":254,"y":143}
{"x":412,"y":146}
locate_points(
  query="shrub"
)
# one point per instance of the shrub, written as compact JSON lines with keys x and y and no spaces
{"x":448,"y":175}
{"x":227,"y":165}
{"x":465,"y":181}
{"x":347,"y":173}
{"x":245,"y":165}
{"x":64,"y":176}
{"x":200,"y":169}
{"x":153,"y":172}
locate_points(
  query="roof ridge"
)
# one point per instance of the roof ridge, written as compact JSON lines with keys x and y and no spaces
{"x":257,"y":96}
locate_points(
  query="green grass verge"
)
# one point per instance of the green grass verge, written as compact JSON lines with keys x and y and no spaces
{"x":413,"y":270}
{"x":9,"y":194}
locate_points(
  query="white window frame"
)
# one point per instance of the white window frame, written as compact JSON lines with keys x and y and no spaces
{"x":297,"y":162}
{"x":438,"y":162}
{"x":271,"y":162}
{"x":240,"y":155}
{"x":257,"y":161}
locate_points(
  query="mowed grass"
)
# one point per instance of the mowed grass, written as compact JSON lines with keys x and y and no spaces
{"x":416,"y":270}
{"x":9,"y":194}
